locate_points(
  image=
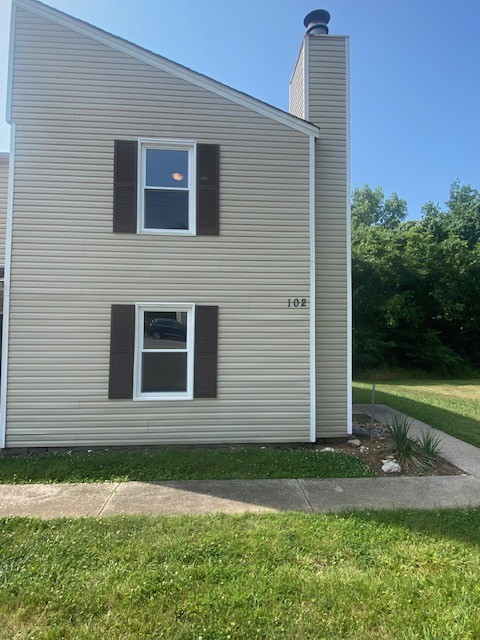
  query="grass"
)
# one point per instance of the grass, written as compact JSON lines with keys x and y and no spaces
{"x":180,"y":464}
{"x":453,"y":406}
{"x":380,"y":575}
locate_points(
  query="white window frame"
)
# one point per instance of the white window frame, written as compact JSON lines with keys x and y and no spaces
{"x":140,"y":308}
{"x":175,"y":145}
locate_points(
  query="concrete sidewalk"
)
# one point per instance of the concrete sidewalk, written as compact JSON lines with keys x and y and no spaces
{"x":240,"y":496}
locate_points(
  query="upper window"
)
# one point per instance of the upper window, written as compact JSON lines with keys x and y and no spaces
{"x":166,"y":191}
{"x":166,"y":187}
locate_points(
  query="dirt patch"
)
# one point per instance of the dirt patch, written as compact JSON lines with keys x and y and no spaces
{"x":372,"y":452}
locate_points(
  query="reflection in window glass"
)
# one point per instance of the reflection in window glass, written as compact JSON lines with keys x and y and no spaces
{"x":167,"y":168}
{"x":165,"y":330}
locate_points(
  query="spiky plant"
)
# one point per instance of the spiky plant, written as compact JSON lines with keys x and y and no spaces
{"x":405,"y":448}
{"x":430,"y":446}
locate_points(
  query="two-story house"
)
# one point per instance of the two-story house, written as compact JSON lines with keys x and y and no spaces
{"x":176,"y":251}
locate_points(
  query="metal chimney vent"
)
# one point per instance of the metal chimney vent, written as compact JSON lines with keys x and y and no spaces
{"x":316,"y":22}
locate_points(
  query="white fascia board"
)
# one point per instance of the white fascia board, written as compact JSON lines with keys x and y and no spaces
{"x":6,"y":292}
{"x":173,"y":68}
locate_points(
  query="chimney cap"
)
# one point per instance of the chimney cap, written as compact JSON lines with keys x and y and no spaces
{"x":316,"y":22}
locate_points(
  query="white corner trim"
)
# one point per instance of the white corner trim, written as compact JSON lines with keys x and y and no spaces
{"x":168,"y":66}
{"x":6,"y":292}
{"x":306,"y":79}
{"x":8,"y":110}
{"x":349,"y":249}
{"x":313,"y":349}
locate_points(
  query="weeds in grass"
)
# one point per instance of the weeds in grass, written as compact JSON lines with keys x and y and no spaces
{"x":419,"y":453}
{"x":252,"y":576}
{"x":180,"y":464}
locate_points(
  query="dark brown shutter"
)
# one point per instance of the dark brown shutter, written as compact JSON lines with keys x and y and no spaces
{"x":125,"y":186}
{"x":205,"y":370}
{"x":208,"y":189}
{"x":122,"y":349}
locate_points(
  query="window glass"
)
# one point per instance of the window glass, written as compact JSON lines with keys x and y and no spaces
{"x":167,"y":168}
{"x":166,"y":209}
{"x":163,"y":372}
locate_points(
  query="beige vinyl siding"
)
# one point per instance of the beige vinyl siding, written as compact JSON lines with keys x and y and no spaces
{"x":328,"y":110}
{"x":3,"y":203}
{"x":72,"y":97}
{"x":297,"y":87}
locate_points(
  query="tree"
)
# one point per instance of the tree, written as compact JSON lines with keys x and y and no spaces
{"x":416,"y":284}
{"x":369,"y":207}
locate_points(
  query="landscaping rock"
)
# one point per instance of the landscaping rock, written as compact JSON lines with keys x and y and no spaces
{"x":327,"y":449}
{"x":390,"y":466}
{"x":354,"y":442}
{"x":363,"y":449}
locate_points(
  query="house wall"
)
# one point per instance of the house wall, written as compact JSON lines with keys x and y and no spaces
{"x":72,"y":97}
{"x":3,"y":203}
{"x":297,"y":88}
{"x":328,"y":108}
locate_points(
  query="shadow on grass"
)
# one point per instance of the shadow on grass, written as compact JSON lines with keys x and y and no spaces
{"x":455,"y":424}
{"x":452,"y":524}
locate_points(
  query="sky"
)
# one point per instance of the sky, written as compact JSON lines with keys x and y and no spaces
{"x":415,"y":73}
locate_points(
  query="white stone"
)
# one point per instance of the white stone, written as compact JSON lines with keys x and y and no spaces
{"x":354,"y":442}
{"x":363,"y":449}
{"x":390,"y":466}
{"x":327,"y":449}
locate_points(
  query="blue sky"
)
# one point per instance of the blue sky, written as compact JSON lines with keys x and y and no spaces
{"x":415,"y":72}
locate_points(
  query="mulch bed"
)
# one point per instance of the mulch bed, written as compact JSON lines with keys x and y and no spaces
{"x":372,"y":452}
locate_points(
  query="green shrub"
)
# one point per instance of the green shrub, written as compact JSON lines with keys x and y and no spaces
{"x":430,"y":446}
{"x":418,"y":453}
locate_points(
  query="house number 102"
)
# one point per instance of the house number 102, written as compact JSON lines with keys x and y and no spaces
{"x":297,"y":302}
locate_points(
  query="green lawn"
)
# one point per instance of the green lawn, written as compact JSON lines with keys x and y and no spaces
{"x":181,"y":464}
{"x":403,"y":575}
{"x":453,"y":406}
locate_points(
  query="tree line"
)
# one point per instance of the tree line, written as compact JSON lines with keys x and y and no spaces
{"x":416,"y":284}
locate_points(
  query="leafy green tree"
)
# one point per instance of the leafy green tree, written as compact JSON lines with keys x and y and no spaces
{"x":370,"y":207}
{"x":416,"y":284}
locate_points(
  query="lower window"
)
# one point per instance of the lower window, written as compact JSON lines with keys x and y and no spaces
{"x":164,"y":352}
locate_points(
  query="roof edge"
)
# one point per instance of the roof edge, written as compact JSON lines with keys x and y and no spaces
{"x":165,"y":64}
